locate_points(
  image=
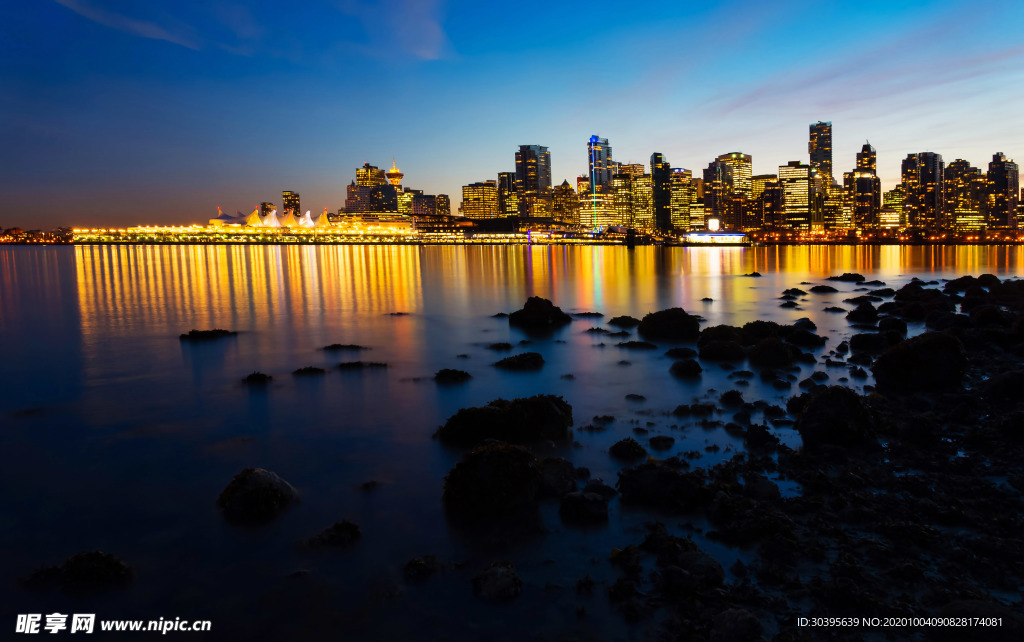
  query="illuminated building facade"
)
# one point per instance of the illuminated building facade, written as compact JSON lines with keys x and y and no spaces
{"x":739,"y":168}
{"x":770,"y":203}
{"x":923,"y":185}
{"x":369,"y":176}
{"x":642,"y":202}
{"x":508,"y":198}
{"x":267,"y":208}
{"x":820,"y":149}
{"x":565,"y":204}
{"x":533,"y":181}
{"x":683,"y":193}
{"x":1004,"y":185}
{"x":422,"y":205}
{"x":290,"y":201}
{"x":442,"y":205}
{"x":893,"y":200}
{"x":801,"y":188}
{"x":864,"y":189}
{"x":661,"y":185}
{"x":717,"y":188}
{"x":393,"y":175}
{"x":965,"y":191}
{"x":480,"y":200}
{"x":599,"y":160}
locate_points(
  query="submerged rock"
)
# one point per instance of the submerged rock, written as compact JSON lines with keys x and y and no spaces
{"x":492,"y":481}
{"x":722,"y":351}
{"x":450,"y":375}
{"x":338,"y":347}
{"x":524,"y":361}
{"x":360,"y":365}
{"x":627,"y":449}
{"x":823,"y":289}
{"x":338,"y":535}
{"x":673,"y":324}
{"x":207,"y":335}
{"x":539,"y":313}
{"x":420,"y":568}
{"x":833,"y":415}
{"x":624,"y":321}
{"x":309,"y":371}
{"x":681,"y":353}
{"x":583,"y":507}
{"x":558,"y":477}
{"x":661,"y":442}
{"x":851,"y":277}
{"x":255,"y":496}
{"x":522,"y":420}
{"x":256,"y":379}
{"x":501,"y":346}
{"x":84,"y":573}
{"x":686,"y":369}
{"x":499,"y":583}
{"x":926,"y":362}
{"x":638,"y":345}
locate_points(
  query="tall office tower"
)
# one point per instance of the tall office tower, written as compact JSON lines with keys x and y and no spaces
{"x":267,"y":208}
{"x":965,"y":192}
{"x":620,"y":189}
{"x":893,"y":199}
{"x":661,"y":184}
{"x":758,"y":182}
{"x":820,"y":149}
{"x":642,"y":202}
{"x":533,"y":181}
{"x":739,"y":167}
{"x":480,"y":200}
{"x":369,"y":176}
{"x":683,"y":193}
{"x":599,"y":160}
{"x":801,"y":188}
{"x":290,"y":201}
{"x":442,"y":205}
{"x":931,"y":171}
{"x":866,"y":198}
{"x":834,"y":214}
{"x":565,"y":204}
{"x":718,"y":186}
{"x":771,"y":204}
{"x":867,"y":159}
{"x":423,"y":205}
{"x":393,"y":175}
{"x":508,"y":199}
{"x":1004,"y":181}
{"x":910,"y":175}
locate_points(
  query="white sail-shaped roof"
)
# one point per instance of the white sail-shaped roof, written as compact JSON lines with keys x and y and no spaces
{"x":288,"y":220}
{"x":305,"y":220}
{"x":226,"y":219}
{"x":322,"y":220}
{"x":254,"y":220}
{"x":270,"y":220}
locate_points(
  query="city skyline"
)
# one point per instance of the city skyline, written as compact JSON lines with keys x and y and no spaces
{"x":119,"y":114}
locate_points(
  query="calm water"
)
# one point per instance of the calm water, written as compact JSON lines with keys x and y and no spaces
{"x":117,"y":436}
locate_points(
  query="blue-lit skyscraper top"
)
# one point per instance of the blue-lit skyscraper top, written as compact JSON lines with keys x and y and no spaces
{"x":599,"y":159}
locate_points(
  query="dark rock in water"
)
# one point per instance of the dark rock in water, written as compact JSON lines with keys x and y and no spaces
{"x":523,"y":420}
{"x":860,"y":359}
{"x":872,"y":342}
{"x":858,"y":373}
{"x":960,"y":284}
{"x":500,"y":315}
{"x":843,"y":347}
{"x":773,"y":353}
{"x":736,"y":625}
{"x":789,"y":297}
{"x":1005,"y":386}
{"x":501,"y":346}
{"x":990,"y":316}
{"x":583,"y":507}
{"x":703,"y":568}
{"x":568,"y":377}
{"x":619,"y":334}
{"x":420,"y":568}
{"x":686,"y":369}
{"x":85,"y":573}
{"x":863,"y":313}
{"x":892,"y":324}
{"x":624,"y":322}
{"x":837,"y":416}
{"x":803,"y":323}
{"x":721,"y":351}
{"x":673,"y":324}
{"x":753,"y":274}
{"x":494,"y":480}
{"x":399,"y":314}
{"x":794,"y":292}
{"x":588,"y":315}
{"x":557,"y":477}
{"x":627,"y":449}
{"x":942,"y":320}
{"x":207,"y":335}
{"x":255,"y":496}
{"x":257,"y":379}
{"x":882,"y":292}
{"x":655,"y":483}
{"x":823,"y":289}
{"x":721,"y":333}
{"x":833,"y":308}
{"x":462,"y":356}
{"x":732,"y":398}
{"x":524,"y":361}
{"x":499,"y":583}
{"x":597,"y":330}
{"x":851,"y":277}
{"x":338,"y":347}
{"x":788,"y":304}
{"x":338,"y":535}
{"x":681,"y":353}
{"x":635,"y":397}
{"x":926,"y":362}
{"x":988,"y":280}
{"x":661,"y":442}
{"x":309,"y":371}
{"x":598,"y":487}
{"x":360,"y":365}
{"x":758,"y":437}
{"x":803,"y":338}
{"x":708,"y":299}
{"x":539,"y":313}
{"x":450,"y":375}
{"x":638,"y":345}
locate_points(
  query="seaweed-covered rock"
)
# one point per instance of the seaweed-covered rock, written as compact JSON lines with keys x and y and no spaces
{"x":557,"y":477}
{"x":255,"y":496}
{"x":892,"y":324}
{"x":926,"y":362}
{"x":837,"y":416}
{"x":624,"y":321}
{"x":361,"y":365}
{"x":873,"y":342}
{"x":661,"y":442}
{"x":686,"y":369}
{"x":802,"y":337}
{"x":583,"y":507}
{"x":450,"y":375}
{"x":523,"y":361}
{"x":522,"y":420}
{"x":341,"y":534}
{"x":673,"y":324}
{"x":721,"y":333}
{"x":627,"y":449}
{"x":84,"y":573}
{"x":338,"y":347}
{"x":823,"y":289}
{"x":772,"y":352}
{"x":539,"y":313}
{"x":722,"y":351}
{"x":492,"y":481}
{"x":863,"y":313}
{"x":309,"y":371}
{"x":850,"y":277}
{"x":499,"y":583}
{"x":256,"y":379}
{"x":207,"y":335}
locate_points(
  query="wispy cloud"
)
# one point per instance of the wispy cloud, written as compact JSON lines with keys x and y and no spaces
{"x":141,"y":28}
{"x":400,"y":26}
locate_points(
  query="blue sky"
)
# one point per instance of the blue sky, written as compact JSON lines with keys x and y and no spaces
{"x":119,"y":112}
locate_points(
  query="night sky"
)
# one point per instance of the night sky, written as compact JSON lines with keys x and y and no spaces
{"x":117,"y":112}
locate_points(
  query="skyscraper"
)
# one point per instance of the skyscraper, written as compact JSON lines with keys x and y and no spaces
{"x":965,"y":192}
{"x":661,"y":185}
{"x":739,"y":168}
{"x":923,"y":185}
{"x":565,"y":204}
{"x":820,"y":149}
{"x":801,"y":189}
{"x":480,"y":200}
{"x":599,"y":159}
{"x":718,"y":186}
{"x":290,"y":201}
{"x":864,"y":189}
{"x":533,"y":180}
{"x":867,"y":158}
{"x":369,"y":176}
{"x":683,"y":194}
{"x":1004,"y":185}
{"x":442,"y":205}
{"x":508,"y":198}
